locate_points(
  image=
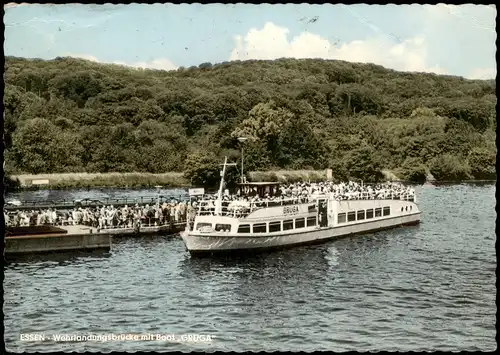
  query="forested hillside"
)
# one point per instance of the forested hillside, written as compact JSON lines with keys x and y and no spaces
{"x":73,"y":115}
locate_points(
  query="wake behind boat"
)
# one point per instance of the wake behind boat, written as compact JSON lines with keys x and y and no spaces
{"x":269,"y":220}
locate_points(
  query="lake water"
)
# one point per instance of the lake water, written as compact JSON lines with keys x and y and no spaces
{"x":424,"y":288}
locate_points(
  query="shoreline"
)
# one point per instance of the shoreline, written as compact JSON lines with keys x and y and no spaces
{"x":64,"y":181}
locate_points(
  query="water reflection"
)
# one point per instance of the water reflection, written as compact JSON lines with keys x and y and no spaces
{"x":273,"y":263}
{"x":299,"y":263}
{"x":142,"y":240}
{"x":430,"y":287}
{"x":54,"y":259}
{"x":479,"y":183}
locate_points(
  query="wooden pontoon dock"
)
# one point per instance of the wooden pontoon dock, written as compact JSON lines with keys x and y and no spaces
{"x":50,"y":239}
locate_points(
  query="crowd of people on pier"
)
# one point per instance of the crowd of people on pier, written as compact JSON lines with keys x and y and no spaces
{"x":181,"y":211}
{"x":105,"y":216}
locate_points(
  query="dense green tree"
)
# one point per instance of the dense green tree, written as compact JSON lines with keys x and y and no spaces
{"x":413,"y":170}
{"x":71,"y":114}
{"x":42,"y":147}
{"x":299,"y":147}
{"x":256,"y":156}
{"x":148,"y":110}
{"x":362,"y":163}
{"x":316,"y":99}
{"x":206,"y":65}
{"x":355,"y":98}
{"x":204,"y":169}
{"x":77,"y":87}
{"x":265,"y":121}
{"x":339,"y":170}
{"x":482,"y":163}
{"x":449,"y":167}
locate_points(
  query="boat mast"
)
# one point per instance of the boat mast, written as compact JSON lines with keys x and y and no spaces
{"x":218,"y":202}
{"x":219,"y":196}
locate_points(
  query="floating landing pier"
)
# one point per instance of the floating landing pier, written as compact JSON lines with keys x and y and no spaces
{"x":49,"y":239}
{"x":45,"y":239}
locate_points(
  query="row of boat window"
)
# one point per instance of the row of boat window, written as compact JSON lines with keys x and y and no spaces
{"x":362,"y":214}
{"x":278,"y":226}
{"x":296,"y":223}
{"x":270,"y":227}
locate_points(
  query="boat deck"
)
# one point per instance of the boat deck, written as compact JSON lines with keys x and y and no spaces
{"x":242,"y":208}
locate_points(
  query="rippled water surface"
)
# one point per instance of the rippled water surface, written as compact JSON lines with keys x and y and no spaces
{"x":430,"y":287}
{"x":100,"y":194}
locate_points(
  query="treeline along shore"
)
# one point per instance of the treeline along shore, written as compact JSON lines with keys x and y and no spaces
{"x":70,"y":115}
{"x":129,"y":180}
{"x":174,"y":180}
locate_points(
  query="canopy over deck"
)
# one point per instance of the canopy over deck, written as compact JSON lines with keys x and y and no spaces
{"x":261,"y":189}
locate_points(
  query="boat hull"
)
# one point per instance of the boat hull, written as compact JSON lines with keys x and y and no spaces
{"x":202,"y":244}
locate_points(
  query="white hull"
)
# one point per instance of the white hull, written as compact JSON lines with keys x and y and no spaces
{"x":264,"y":223}
{"x":197,"y":243}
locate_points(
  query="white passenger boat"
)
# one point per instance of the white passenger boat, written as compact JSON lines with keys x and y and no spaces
{"x":269,"y":223}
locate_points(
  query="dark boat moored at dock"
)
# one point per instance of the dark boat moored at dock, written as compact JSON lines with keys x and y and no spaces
{"x":48,"y":239}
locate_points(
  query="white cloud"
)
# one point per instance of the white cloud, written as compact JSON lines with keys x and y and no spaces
{"x":483,"y":73}
{"x":13,"y":4}
{"x":51,"y":39}
{"x":84,"y":56}
{"x":271,"y":42}
{"x":160,"y":63}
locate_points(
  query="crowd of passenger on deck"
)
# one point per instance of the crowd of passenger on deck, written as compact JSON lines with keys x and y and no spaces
{"x":349,"y":191}
{"x":303,"y":192}
{"x":105,"y":216}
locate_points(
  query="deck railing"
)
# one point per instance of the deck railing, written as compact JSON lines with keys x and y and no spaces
{"x":379,"y":196}
{"x":207,"y":207}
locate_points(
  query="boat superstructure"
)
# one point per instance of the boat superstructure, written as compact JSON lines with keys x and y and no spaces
{"x":267,"y":220}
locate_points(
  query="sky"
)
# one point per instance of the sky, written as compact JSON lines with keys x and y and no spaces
{"x":443,"y":39}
